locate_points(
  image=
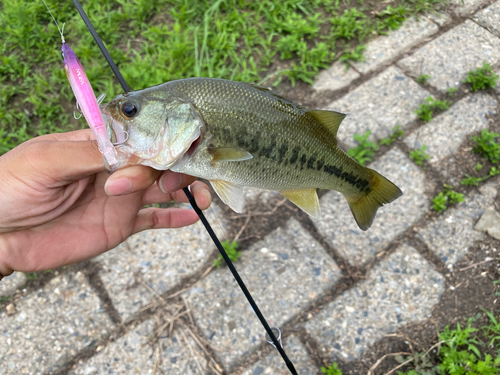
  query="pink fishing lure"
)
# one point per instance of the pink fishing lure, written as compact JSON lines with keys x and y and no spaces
{"x":88,"y":104}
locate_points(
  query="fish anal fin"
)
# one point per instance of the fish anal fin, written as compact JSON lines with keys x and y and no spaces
{"x":330,"y":119}
{"x":364,"y":208}
{"x":229,"y":154}
{"x":306,"y":199}
{"x":231,"y":194}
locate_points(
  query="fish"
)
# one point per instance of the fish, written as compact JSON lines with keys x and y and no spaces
{"x":237,"y":134}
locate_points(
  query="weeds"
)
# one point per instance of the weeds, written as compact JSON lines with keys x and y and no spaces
{"x":333,"y":369}
{"x":365,"y":150}
{"x":447,"y":196}
{"x":397,"y":132}
{"x":419,"y":156}
{"x":460,"y":352}
{"x":231,"y":250}
{"x":426,"y":110}
{"x":423,"y":79}
{"x":482,"y":78}
{"x":486,"y":146}
{"x":451,"y":91}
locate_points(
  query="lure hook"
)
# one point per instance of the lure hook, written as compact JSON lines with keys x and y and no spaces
{"x":122,"y":141}
{"x":277,"y":333}
{"x":79,"y":111}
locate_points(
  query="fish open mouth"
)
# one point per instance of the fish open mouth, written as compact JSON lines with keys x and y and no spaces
{"x":116,"y":132}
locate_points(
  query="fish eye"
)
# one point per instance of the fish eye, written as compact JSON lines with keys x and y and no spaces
{"x":129,"y":109}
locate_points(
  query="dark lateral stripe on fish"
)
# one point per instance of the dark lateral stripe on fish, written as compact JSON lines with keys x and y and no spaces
{"x":346,"y":176}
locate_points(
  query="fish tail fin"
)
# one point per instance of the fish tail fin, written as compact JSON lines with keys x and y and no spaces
{"x":365,"y":207}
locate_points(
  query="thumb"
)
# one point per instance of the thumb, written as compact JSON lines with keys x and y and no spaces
{"x":60,"y":162}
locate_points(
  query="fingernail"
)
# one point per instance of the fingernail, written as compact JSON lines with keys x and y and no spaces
{"x":170,"y":184}
{"x":119,"y":186}
{"x":209,"y":197}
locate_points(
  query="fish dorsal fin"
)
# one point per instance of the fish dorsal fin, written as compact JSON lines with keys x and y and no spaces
{"x":231,"y":194}
{"x":330,"y":119}
{"x":305,"y":199}
{"x":229,"y":154}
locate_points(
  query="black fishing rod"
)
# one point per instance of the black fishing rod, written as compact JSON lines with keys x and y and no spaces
{"x":209,"y":229}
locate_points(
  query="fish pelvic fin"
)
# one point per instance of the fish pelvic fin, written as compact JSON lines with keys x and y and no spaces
{"x":365,"y":207}
{"x":231,"y":194}
{"x":306,"y":200}
{"x":329,"y":119}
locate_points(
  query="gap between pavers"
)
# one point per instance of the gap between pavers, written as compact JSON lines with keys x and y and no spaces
{"x":51,"y":325}
{"x":445,"y":133}
{"x":133,"y":354}
{"x":285,"y":273}
{"x":402,"y":289}
{"x":161,"y":258}
{"x":378,"y":105}
{"x":339,"y":229}
{"x":466,"y":7}
{"x":489,"y":18}
{"x":273,"y":364}
{"x":452,"y":234}
{"x":385,"y":48}
{"x":448,"y":58}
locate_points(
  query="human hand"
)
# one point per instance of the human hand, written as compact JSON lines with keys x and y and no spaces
{"x":58,"y":206}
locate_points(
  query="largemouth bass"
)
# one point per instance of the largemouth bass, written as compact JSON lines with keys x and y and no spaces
{"x":236,"y":134}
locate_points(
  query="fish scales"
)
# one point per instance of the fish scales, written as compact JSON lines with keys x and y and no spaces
{"x":235,"y":134}
{"x":287,"y":145}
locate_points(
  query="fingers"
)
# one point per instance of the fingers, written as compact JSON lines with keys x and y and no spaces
{"x":58,"y":162}
{"x":155,"y":218}
{"x":199,"y":190}
{"x":171,"y":181}
{"x":130,"y":180}
{"x":77,"y":135}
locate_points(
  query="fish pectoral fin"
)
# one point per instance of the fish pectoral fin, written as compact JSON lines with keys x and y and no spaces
{"x":229,"y":154}
{"x":306,"y":199}
{"x":329,"y":119}
{"x":231,"y":194}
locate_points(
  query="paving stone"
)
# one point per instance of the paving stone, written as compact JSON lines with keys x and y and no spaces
{"x":489,"y":18}
{"x":497,"y":87}
{"x":273,"y":364}
{"x":448,"y":58}
{"x":339,"y":229}
{"x":489,"y":223}
{"x":160,"y":257}
{"x":401,"y":290}
{"x":258,"y":196}
{"x":335,"y":78}
{"x":378,"y":105}
{"x":466,"y":7}
{"x":131,"y":354}
{"x":441,"y":18}
{"x":451,"y":235}
{"x":444,"y":134}
{"x":285,"y":272}
{"x":9,"y":284}
{"x":385,"y":48}
{"x":51,"y":325}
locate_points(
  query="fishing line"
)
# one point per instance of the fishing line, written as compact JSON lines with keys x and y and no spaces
{"x":202,"y":217}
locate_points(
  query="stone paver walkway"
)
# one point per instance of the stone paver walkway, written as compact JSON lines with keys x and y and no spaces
{"x":156,"y":305}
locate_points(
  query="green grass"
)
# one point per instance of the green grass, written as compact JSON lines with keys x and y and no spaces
{"x":486,"y":145}
{"x":165,"y":40}
{"x":397,"y":132}
{"x":423,"y":79}
{"x":482,"y":78}
{"x":419,"y":156}
{"x":365,"y":150}
{"x":426,"y":110}
{"x":231,"y":250}
{"x":461,"y":352}
{"x":448,"y":196}
{"x":333,"y":369}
